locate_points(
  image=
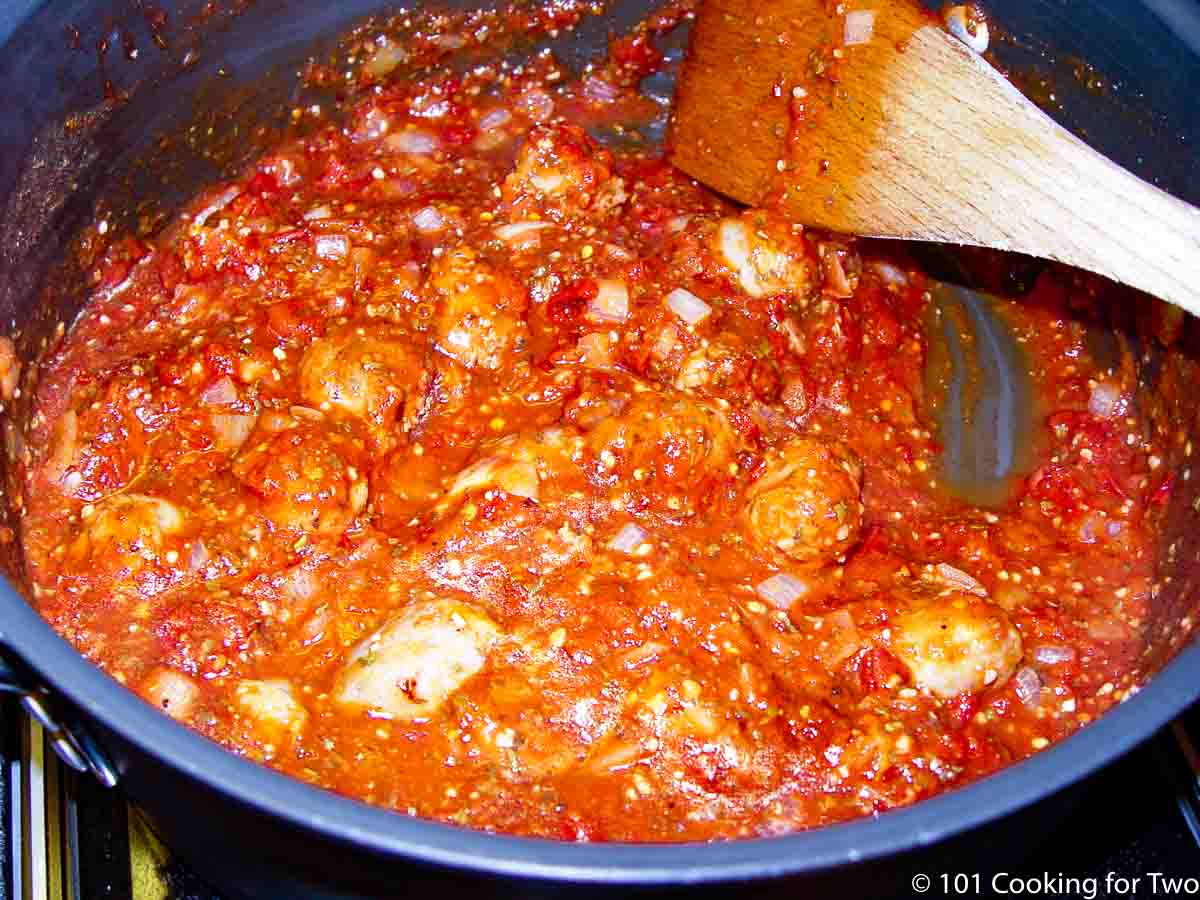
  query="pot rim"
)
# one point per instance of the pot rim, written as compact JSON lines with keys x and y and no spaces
{"x":388,"y":833}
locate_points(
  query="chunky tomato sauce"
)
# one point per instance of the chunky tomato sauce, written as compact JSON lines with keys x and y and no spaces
{"x":451,"y":461}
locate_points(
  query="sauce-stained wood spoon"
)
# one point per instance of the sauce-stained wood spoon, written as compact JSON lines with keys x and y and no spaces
{"x":869,"y":118}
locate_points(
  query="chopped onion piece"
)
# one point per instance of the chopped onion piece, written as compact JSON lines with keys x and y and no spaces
{"x":495,"y":118}
{"x":332,"y":246}
{"x":428,"y":220}
{"x":374,"y":125}
{"x":676,"y":224}
{"x":782,"y":590}
{"x":688,"y":306}
{"x":386,"y":58}
{"x":959,"y":579}
{"x":1052,"y":654}
{"x":199,"y":557}
{"x":413,"y":141}
{"x":215,"y":205}
{"x":860,"y":27}
{"x":1105,"y":400}
{"x":232,"y":430}
{"x":611,"y":303}
{"x":520,"y":229}
{"x":299,"y":584}
{"x":317,"y":213}
{"x":1028,"y":686}
{"x":892,"y":276}
{"x":628,"y":539}
{"x":221,"y":392}
{"x":599,"y":90}
{"x":537,"y":105}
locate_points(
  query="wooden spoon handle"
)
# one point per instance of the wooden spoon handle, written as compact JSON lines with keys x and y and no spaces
{"x":1024,"y":183}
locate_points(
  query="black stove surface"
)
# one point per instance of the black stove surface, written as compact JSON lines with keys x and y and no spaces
{"x":1133,"y":830}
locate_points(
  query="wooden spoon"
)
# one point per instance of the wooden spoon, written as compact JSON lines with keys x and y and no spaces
{"x":874,"y":120}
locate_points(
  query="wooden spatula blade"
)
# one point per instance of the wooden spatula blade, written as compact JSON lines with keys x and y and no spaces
{"x":866,"y":117}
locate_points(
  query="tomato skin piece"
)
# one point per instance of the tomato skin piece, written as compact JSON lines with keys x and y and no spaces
{"x":569,"y":303}
{"x":877,"y":669}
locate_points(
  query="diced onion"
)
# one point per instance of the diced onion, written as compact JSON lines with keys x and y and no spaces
{"x":676,"y":224}
{"x":1028,"y":686}
{"x":317,"y":213}
{"x":413,"y":141}
{"x":386,"y":58}
{"x":595,"y":351}
{"x":628,"y":539}
{"x":232,"y":430}
{"x":536,"y":105}
{"x":1105,"y":400}
{"x":332,"y":246}
{"x":518,"y":230}
{"x":495,"y":118}
{"x":959,"y":579}
{"x":611,"y":303}
{"x":374,"y":125}
{"x":428,"y":220}
{"x":599,"y":90}
{"x":215,"y":205}
{"x":299,"y":585}
{"x":860,"y":27}
{"x":1108,"y":629}
{"x":842,"y":636}
{"x":199,"y":556}
{"x":892,"y":276}
{"x":221,"y":392}
{"x":1052,"y":654}
{"x":688,"y":306}
{"x":782,"y":590}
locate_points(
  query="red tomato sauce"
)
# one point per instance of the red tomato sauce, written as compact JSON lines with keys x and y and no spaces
{"x":452,"y":461}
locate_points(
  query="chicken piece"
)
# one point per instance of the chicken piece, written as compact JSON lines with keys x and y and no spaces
{"x":521,"y":464}
{"x":561,"y":172}
{"x":125,"y":533}
{"x":273,"y":707}
{"x":308,"y":474}
{"x":719,"y":365}
{"x":764,"y":256}
{"x":808,"y":502}
{"x":172,"y":692}
{"x":368,"y":374}
{"x":665,"y":443}
{"x":954,"y":642}
{"x":480,"y":320}
{"x":411,"y":665}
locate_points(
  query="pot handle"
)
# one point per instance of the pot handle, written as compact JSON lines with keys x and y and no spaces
{"x":71,"y":741}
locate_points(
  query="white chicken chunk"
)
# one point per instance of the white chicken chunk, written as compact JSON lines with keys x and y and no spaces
{"x":172,"y":692}
{"x":955,"y":642}
{"x":479,"y":321}
{"x":273,"y":707}
{"x":561,"y":172}
{"x":125,"y":532}
{"x":372,"y":376}
{"x":764,"y":258}
{"x":411,"y":665}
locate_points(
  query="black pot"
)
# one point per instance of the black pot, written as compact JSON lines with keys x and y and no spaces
{"x":238,"y":821}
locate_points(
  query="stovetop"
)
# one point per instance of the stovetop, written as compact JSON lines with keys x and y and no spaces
{"x":1135,"y":832}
